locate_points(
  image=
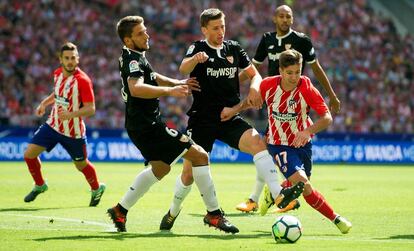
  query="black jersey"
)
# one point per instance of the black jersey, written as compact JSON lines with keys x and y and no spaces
{"x":271,"y":46}
{"x":218,"y":77}
{"x":140,"y":113}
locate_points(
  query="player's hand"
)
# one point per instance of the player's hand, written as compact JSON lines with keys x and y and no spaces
{"x":254,"y":99}
{"x":334,"y":105}
{"x":63,"y":114}
{"x":200,"y":57}
{"x":179,"y":91}
{"x":227,"y":113}
{"x":192,"y":83}
{"x":301,"y":138}
{"x":40,"y":110}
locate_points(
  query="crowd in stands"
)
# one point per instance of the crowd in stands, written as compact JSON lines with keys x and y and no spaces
{"x":370,"y":66}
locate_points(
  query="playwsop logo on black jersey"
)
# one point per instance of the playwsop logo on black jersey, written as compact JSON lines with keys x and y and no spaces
{"x":229,"y":72}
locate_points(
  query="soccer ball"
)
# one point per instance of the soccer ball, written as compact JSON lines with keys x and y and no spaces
{"x":287,"y":229}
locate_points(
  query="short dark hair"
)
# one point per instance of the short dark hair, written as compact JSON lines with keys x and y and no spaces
{"x":68,"y":46}
{"x":126,"y":24}
{"x":290,"y":57}
{"x":210,"y":14}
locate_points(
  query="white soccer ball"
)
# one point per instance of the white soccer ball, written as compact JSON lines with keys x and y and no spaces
{"x":287,"y":229}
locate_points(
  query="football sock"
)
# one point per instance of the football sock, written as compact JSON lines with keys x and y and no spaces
{"x":204,"y":182}
{"x":34,"y":169}
{"x":90,"y":175}
{"x":266,"y":171}
{"x":258,"y":187}
{"x":318,"y":202}
{"x":139,"y":187}
{"x":122,"y":209}
{"x":286,"y":183}
{"x":181,"y":191}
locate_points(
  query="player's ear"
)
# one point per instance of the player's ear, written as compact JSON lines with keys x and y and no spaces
{"x":127,"y":40}
{"x":204,"y":31}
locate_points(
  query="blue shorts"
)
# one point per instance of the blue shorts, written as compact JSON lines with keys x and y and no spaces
{"x":291,"y":159}
{"x":47,"y":137}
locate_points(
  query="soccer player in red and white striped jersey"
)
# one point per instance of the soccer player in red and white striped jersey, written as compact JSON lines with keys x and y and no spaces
{"x":71,"y":99}
{"x":289,"y":98}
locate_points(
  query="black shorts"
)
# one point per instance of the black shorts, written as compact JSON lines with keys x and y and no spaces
{"x":230,"y":132}
{"x":161,"y":143}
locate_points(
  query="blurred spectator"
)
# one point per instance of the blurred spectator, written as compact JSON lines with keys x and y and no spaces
{"x":369,"y":65}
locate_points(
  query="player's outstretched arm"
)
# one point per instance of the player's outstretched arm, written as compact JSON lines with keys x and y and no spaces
{"x":162,"y":80}
{"x":41,"y":108}
{"x":334,"y":103}
{"x":139,"y":89}
{"x":254,"y":99}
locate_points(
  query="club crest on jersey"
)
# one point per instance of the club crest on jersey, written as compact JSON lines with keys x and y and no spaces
{"x":230,"y":59}
{"x":288,"y":46}
{"x":133,"y":66}
{"x":293,"y":104}
{"x":190,"y":49}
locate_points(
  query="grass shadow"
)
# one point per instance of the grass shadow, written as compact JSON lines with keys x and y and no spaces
{"x":160,"y":234}
{"x":34,"y":209}
{"x":237,"y":214}
{"x":399,"y":237}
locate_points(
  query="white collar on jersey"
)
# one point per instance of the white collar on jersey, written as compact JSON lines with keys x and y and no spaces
{"x":129,"y":49}
{"x":214,"y":47}
{"x":287,"y":34}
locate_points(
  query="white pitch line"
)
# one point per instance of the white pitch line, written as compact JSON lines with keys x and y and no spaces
{"x":94,"y":223}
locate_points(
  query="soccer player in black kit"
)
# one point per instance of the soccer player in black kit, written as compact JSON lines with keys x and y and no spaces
{"x":215,"y":63}
{"x":161,"y":146}
{"x":270,"y":46}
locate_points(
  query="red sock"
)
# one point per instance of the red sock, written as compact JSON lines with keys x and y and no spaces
{"x":90,"y":175}
{"x":318,"y":202}
{"x":286,"y":183}
{"x":34,"y":169}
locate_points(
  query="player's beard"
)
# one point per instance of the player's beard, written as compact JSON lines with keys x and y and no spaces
{"x":69,"y":70}
{"x":137,"y":48}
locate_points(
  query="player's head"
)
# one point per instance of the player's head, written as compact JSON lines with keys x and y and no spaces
{"x":213,"y":26}
{"x":133,"y":33}
{"x":290,"y":66}
{"x":283,"y":19}
{"x":69,"y":57}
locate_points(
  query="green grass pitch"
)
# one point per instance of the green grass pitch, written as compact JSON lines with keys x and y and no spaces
{"x":379,"y":201}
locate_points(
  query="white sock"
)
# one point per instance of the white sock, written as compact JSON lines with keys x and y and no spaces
{"x":266,"y":170}
{"x":181,"y":191}
{"x":204,"y":182}
{"x":258,"y":187}
{"x":139,"y":187}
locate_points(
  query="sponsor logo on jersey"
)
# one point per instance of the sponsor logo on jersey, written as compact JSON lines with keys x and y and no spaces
{"x":133,"y":66}
{"x":211,"y":60}
{"x":230,"y":59}
{"x":288,"y":46}
{"x":61,"y":101}
{"x":229,"y":72}
{"x":190,"y":49}
{"x":284,"y":117}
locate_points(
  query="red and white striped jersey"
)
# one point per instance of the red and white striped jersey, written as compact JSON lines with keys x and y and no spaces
{"x":288,"y":111}
{"x":70,"y":94}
